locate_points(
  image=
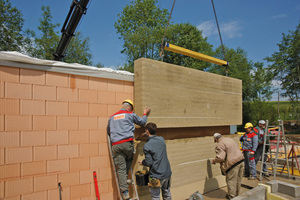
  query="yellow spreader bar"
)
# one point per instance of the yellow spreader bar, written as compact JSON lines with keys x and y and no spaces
{"x":187,"y":52}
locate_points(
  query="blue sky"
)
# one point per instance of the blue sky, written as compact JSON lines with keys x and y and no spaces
{"x":256,"y":25}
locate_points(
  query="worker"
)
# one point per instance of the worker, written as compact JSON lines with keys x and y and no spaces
{"x":157,"y":160}
{"x":121,"y":128}
{"x":231,"y":162}
{"x":250,"y":143}
{"x":260,"y":131}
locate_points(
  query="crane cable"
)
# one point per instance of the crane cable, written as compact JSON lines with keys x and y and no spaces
{"x":161,"y":54}
{"x":226,"y":71}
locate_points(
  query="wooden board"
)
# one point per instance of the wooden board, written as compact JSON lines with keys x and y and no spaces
{"x":185,"y":97}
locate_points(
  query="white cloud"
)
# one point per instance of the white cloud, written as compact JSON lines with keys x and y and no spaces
{"x":228,"y":30}
{"x":279,"y":16}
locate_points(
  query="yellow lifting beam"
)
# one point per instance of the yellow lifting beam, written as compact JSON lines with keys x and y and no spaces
{"x":187,"y":52}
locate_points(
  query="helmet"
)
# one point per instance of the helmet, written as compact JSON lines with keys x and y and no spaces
{"x":248,"y":125}
{"x":130,"y":102}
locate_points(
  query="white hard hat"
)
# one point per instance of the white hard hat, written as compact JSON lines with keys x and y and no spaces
{"x":262,"y":122}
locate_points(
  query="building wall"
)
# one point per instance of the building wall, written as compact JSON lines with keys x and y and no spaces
{"x":53,"y":129}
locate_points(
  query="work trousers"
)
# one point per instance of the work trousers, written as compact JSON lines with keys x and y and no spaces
{"x":234,"y":180}
{"x":123,"y":155}
{"x":250,"y":166}
{"x":258,"y":156}
{"x":164,"y":188}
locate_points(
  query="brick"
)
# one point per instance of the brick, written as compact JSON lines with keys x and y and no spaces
{"x":9,"y":106}
{"x":103,"y":149}
{"x":98,"y":136}
{"x":18,"y":155}
{"x":79,"y":164}
{"x":78,"y":137}
{"x":129,"y":87}
{"x":18,"y":187}
{"x":86,"y":177}
{"x":102,"y":123}
{"x":44,"y":123}
{"x":13,"y":198}
{"x":106,"y":174}
{"x":33,"y":168}
{"x":57,"y":108}
{"x":32,"y":76}
{"x":2,"y":156}
{"x":99,"y":162}
{"x":9,"y":74}
{"x":32,"y":107}
{"x":2,"y":127}
{"x":80,"y":81}
{"x":115,"y":85}
{"x":69,"y":179}
{"x":111,"y":185}
{"x":99,"y":110}
{"x":10,"y":171}
{"x":103,"y":186}
{"x":58,"y":166}
{"x":67,"y":123}
{"x":18,"y":91}
{"x":18,"y":123}
{"x":78,"y":109}
{"x":57,"y":79}
{"x":45,"y":183}
{"x":97,"y":83}
{"x":105,"y":97}
{"x":113,"y":109}
{"x":90,"y":123}
{"x":45,"y":153}
{"x":67,"y":94}
{"x":37,"y":138}
{"x":57,"y":137}
{"x":89,"y":150}
{"x":44,"y":92}
{"x":68,"y":151}
{"x":37,"y":195}
{"x":1,"y":189}
{"x":89,"y":96}
{"x":109,"y":196}
{"x":120,"y":97}
{"x":2,"y":94}
{"x":53,"y":194}
{"x":79,"y":191}
{"x":9,"y":139}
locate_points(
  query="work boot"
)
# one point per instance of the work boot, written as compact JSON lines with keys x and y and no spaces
{"x":252,"y":178}
{"x":125,"y":195}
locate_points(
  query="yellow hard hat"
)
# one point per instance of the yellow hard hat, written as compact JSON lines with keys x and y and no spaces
{"x":130,"y":102}
{"x":248,"y":125}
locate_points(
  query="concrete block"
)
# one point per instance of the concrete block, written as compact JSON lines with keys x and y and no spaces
{"x":99,"y":110}
{"x":97,"y":83}
{"x":10,"y":171}
{"x":103,"y":187}
{"x":102,"y":123}
{"x":274,"y":185}
{"x":33,"y":168}
{"x":47,"y":182}
{"x":99,"y":162}
{"x":68,"y":151}
{"x":289,"y":189}
{"x":18,"y":123}
{"x":18,"y":91}
{"x":58,"y":166}
{"x":114,"y":108}
{"x":57,"y":137}
{"x":88,"y":123}
{"x":2,"y":124}
{"x":9,"y":74}
{"x":67,"y":94}
{"x":105,"y":174}
{"x":9,"y":106}
{"x":80,"y":191}
{"x":37,"y":138}
{"x":86,"y":177}
{"x":2,"y":156}
{"x":78,"y":137}
{"x":89,"y":150}
{"x":35,"y":195}
{"x":57,"y":79}
{"x":105,"y":97}
{"x":98,"y":136}
{"x":2,"y":93}
{"x":44,"y":92}
{"x":45,"y":153}
{"x":36,"y":77}
{"x":69,"y":179}
{"x":103,"y":149}
{"x":32,"y":107}
{"x":41,"y":122}
{"x":89,"y":96}
{"x":9,"y":139}
{"x":129,"y":87}
{"x":257,"y":193}
{"x":18,"y":187}
{"x":79,"y":81}
{"x":67,"y":123}
{"x":115,"y":85}
{"x":57,"y":108}
{"x":79,"y":164}
{"x":78,"y":109}
{"x":18,"y":155}
{"x":120,"y":97}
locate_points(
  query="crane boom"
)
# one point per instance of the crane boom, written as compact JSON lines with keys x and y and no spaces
{"x":77,"y":9}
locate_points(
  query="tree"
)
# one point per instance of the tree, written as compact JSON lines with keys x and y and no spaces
{"x":140,"y":26}
{"x":189,"y":37}
{"x":11,"y":24}
{"x":285,"y":66}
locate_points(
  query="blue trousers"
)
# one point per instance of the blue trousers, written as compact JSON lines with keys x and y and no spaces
{"x":250,"y":165}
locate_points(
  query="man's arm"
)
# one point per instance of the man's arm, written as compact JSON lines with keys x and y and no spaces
{"x":148,"y":161}
{"x":254,"y":143}
{"x":141,"y":121}
{"x":220,"y":154}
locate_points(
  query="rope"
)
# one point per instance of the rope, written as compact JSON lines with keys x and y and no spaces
{"x":226,"y":72}
{"x":161,"y":54}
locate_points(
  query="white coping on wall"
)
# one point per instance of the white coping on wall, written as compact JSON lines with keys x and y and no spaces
{"x":16,"y":59}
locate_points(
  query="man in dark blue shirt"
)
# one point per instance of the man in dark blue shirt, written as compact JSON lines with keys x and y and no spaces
{"x":157,"y":160}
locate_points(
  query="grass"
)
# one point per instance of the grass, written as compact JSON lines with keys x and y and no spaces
{"x":285,"y":109}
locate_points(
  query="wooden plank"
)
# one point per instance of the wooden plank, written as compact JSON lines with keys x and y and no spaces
{"x":185,"y":97}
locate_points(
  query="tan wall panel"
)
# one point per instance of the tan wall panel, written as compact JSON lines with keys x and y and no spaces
{"x":185,"y":97}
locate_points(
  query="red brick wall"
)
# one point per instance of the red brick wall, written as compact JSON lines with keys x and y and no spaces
{"x":53,"y":129}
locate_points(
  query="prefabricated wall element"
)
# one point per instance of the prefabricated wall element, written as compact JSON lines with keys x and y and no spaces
{"x":185,"y":97}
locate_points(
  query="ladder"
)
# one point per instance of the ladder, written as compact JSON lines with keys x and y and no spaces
{"x":133,"y":184}
{"x":272,"y":154}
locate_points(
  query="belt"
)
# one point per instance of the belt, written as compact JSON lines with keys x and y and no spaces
{"x":230,"y":168}
{"x":122,"y":141}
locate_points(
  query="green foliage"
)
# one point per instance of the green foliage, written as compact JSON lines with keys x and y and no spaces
{"x":285,"y":67}
{"x":99,"y":65}
{"x":140,"y":26}
{"x":11,"y":24}
{"x":189,"y":37}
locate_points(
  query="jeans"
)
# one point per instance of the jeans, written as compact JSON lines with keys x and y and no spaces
{"x":250,"y":165}
{"x":164,"y":188}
